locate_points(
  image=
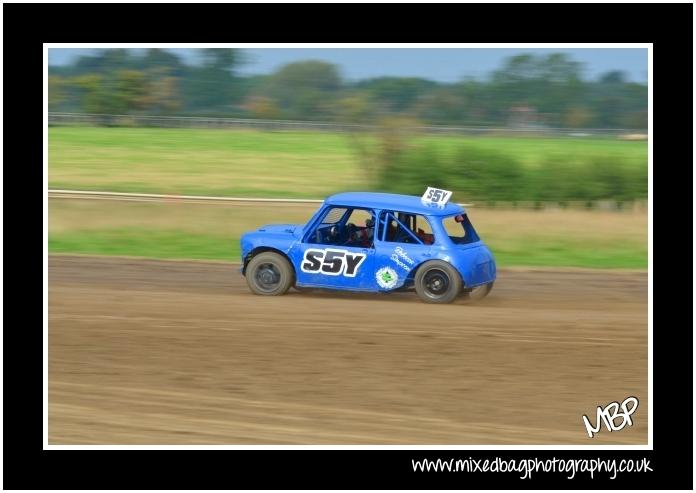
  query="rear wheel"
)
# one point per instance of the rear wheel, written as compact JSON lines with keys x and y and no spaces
{"x":269,"y":274}
{"x":437,"y":282}
{"x":479,"y":292}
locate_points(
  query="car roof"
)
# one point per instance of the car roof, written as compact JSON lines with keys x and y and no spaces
{"x":393,"y":202}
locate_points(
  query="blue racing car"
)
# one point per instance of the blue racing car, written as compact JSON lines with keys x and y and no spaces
{"x":374,"y":242}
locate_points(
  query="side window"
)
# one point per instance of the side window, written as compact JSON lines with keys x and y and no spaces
{"x":360,"y":217}
{"x":406,"y":228}
{"x":345,"y":227}
{"x":423,"y":230}
{"x":359,"y":229}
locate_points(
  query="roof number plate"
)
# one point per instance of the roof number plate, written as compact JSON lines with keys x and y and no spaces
{"x":436,"y":196}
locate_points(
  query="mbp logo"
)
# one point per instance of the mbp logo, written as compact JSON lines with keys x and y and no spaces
{"x":332,"y":262}
{"x":610,"y":413}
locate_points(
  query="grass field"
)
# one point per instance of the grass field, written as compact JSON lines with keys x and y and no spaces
{"x":294,"y":164}
{"x":256,"y":164}
{"x":211,"y":231}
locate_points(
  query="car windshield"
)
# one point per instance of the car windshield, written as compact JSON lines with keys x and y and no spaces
{"x":459,"y":229}
{"x":334,"y":215}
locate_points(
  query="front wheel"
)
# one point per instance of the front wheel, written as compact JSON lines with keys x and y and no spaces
{"x":437,"y":282}
{"x":269,"y":274}
{"x":304,"y":290}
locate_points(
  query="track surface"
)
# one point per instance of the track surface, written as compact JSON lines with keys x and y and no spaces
{"x":157,"y":352}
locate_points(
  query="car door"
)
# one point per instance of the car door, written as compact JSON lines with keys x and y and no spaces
{"x":404,"y":241}
{"x":334,"y":262}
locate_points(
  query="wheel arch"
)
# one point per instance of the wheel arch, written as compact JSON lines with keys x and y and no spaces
{"x":263,"y":249}
{"x":412,"y":275}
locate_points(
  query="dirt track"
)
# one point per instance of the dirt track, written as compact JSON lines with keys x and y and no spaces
{"x":154,"y":352}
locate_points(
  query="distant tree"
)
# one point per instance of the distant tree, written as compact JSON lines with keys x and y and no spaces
{"x":558,"y":68}
{"x":617,"y":102}
{"x":130,"y":91}
{"x":120,"y":92}
{"x":548,"y":84}
{"x":530,"y":88}
{"x":443,"y":105}
{"x":92,"y":93}
{"x":613,"y":77}
{"x":307,"y":89}
{"x":224,"y":59}
{"x":480,"y":103}
{"x":163,"y":62}
{"x":57,"y":86}
{"x":116,"y":59}
{"x":262,"y":107}
{"x":162,"y":95}
{"x":354,"y":108}
{"x":517,"y":69}
{"x":635,"y":119}
{"x":213,"y":87}
{"x":88,"y":64}
{"x":577,"y":117}
{"x":398,"y":94}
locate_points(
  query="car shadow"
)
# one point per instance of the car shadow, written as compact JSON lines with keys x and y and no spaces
{"x":406,"y":296}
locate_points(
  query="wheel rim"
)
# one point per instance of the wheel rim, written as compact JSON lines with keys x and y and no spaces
{"x":436,"y":283}
{"x":267,"y":276}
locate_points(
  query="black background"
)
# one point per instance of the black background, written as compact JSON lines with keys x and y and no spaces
{"x":27,"y":26}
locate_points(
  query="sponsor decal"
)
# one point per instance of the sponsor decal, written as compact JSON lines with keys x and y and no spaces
{"x":402,"y":253}
{"x":401,"y":258}
{"x":387,"y":277}
{"x":332,"y":262}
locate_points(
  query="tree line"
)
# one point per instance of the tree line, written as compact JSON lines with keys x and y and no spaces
{"x":527,"y":90}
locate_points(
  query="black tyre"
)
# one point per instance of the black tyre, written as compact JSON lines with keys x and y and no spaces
{"x":479,"y":292}
{"x":437,"y":282}
{"x":269,"y":274}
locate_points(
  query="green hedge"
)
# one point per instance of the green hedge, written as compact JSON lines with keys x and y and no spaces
{"x":485,"y":175}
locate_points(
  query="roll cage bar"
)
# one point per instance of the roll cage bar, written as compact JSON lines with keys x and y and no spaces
{"x":386,"y":217}
{"x":383,"y":227}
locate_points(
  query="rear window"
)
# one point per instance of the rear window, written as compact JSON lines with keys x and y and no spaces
{"x":459,"y":229}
